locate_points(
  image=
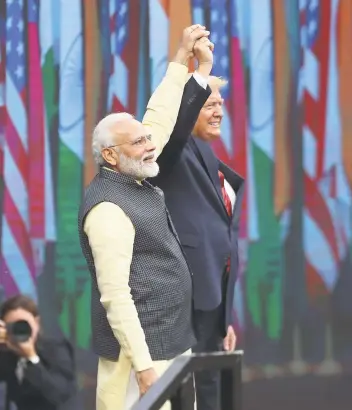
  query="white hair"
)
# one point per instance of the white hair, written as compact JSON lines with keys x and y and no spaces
{"x":103,"y":135}
{"x":215,"y":83}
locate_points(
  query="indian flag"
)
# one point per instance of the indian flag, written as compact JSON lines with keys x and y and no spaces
{"x":69,"y":259}
{"x":265,"y":254}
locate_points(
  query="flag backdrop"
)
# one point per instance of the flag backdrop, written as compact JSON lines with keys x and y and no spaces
{"x":287,"y":129}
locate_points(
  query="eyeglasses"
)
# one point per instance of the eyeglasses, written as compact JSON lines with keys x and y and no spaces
{"x":139,"y":142}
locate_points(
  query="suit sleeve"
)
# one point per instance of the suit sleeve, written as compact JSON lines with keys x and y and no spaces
{"x":193,"y":98}
{"x":4,"y":364}
{"x":53,"y":378}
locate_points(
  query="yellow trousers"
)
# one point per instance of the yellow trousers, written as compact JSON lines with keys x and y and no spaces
{"x":117,"y":387}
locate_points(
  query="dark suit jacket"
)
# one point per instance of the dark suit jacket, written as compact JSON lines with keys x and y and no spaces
{"x":48,"y":385}
{"x":189,"y":178}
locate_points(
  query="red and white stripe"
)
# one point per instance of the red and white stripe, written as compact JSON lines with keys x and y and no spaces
{"x":2,"y":105}
{"x":320,"y":242}
{"x":118,"y":82}
{"x":36,"y":142}
{"x":17,"y":259}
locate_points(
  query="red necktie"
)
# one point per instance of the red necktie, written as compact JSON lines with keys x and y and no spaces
{"x":228,"y":206}
{"x":225,"y":195}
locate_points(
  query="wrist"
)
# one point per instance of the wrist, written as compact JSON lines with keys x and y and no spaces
{"x":34,"y":359}
{"x":182,"y":57}
{"x":204,"y":69}
{"x":144,"y":370}
{"x":30,"y":354}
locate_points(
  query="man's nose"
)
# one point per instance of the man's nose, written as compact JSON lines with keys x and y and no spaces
{"x":219,"y":112}
{"x":150,"y":146}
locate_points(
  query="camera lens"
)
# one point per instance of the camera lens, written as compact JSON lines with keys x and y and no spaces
{"x":19,"y":331}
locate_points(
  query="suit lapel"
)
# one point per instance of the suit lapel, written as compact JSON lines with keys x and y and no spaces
{"x":210,"y":163}
{"x":235,"y":180}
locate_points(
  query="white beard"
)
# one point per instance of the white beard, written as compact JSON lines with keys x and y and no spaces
{"x":138,"y":169}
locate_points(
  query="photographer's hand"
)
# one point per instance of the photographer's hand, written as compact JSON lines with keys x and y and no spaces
{"x":26,"y":349}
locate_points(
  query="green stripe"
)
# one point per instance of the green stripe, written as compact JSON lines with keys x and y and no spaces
{"x":265,"y":257}
{"x":50,"y":86}
{"x":71,"y":270}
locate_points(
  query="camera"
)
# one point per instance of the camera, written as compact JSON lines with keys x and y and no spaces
{"x":19,"y":331}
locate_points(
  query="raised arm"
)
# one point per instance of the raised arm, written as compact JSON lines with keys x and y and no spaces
{"x":195,"y":94}
{"x":194,"y":97}
{"x":164,"y":104}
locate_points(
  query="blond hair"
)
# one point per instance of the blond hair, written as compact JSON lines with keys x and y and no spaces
{"x":215,"y":83}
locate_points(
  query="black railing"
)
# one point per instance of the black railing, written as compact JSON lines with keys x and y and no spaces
{"x":176,"y":384}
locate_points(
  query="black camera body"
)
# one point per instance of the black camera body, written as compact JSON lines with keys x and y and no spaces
{"x":19,"y":331}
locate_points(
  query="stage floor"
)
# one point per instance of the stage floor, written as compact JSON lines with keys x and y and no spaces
{"x":301,"y":393}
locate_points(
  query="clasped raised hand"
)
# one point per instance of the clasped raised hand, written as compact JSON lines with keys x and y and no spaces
{"x":189,"y":38}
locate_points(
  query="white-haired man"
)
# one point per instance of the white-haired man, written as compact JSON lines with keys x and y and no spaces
{"x":142,"y":286}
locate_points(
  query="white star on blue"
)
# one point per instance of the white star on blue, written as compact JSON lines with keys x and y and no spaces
{"x":219,"y":33}
{"x":15,"y":56}
{"x":121,"y":25}
{"x":312,"y":22}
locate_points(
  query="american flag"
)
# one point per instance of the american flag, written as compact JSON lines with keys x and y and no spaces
{"x":237,"y":82}
{"x":219,"y":29}
{"x":198,"y":12}
{"x":104,"y":24}
{"x":36,"y":138}
{"x":320,"y":242}
{"x":118,"y":82}
{"x":17,"y":259}
{"x":2,"y":108}
{"x":2,"y":83}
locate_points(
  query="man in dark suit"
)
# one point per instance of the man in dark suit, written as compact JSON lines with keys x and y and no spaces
{"x":38,"y":372}
{"x":203,"y":196}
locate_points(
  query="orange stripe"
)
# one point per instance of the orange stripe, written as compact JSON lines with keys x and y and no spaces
{"x":92,"y":87}
{"x":180,"y":15}
{"x":282,"y":179}
{"x":165,"y":4}
{"x":344,"y":41}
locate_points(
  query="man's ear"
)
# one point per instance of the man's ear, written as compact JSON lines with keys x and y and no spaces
{"x":109,"y":157}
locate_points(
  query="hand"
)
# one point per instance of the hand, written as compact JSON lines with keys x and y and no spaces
{"x":203,"y":51}
{"x":26,"y":349}
{"x":3,"y":333}
{"x":189,"y":37}
{"x":230,"y":340}
{"x":145,"y":379}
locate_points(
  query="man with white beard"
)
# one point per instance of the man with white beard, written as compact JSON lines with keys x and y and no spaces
{"x":141,"y":283}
